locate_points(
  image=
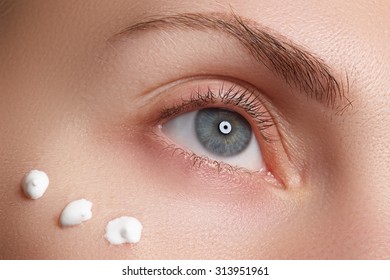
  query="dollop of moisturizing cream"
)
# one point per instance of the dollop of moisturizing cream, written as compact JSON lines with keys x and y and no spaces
{"x":76,"y":212}
{"x":35,"y":183}
{"x":123,"y":230}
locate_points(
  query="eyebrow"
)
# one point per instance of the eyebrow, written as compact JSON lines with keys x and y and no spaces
{"x":297,"y":66}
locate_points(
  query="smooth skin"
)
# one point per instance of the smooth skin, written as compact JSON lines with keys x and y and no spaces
{"x":76,"y":102}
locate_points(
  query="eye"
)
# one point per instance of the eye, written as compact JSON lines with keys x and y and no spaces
{"x":217,"y":133}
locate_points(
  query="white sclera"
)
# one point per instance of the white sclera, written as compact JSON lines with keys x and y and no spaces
{"x":123,"y":230}
{"x":76,"y":212}
{"x":35,"y":183}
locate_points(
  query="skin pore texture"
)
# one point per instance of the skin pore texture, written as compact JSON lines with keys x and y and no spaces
{"x":82,"y":88}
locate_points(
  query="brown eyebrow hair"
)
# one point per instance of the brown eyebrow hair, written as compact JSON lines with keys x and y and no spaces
{"x":297,"y":66}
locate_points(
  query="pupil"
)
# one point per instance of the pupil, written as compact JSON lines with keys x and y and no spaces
{"x":225,"y":127}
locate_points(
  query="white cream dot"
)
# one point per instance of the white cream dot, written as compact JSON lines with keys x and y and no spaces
{"x":35,"y":184}
{"x":76,"y":212}
{"x":123,"y":230}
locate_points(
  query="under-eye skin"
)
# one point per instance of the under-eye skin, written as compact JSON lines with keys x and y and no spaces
{"x":224,"y":124}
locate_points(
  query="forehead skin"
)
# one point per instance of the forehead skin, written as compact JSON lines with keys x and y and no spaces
{"x":47,"y":49}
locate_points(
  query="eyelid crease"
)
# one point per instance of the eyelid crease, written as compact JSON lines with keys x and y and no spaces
{"x":295,"y":65}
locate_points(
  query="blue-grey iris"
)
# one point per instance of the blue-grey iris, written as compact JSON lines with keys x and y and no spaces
{"x":222,"y":132}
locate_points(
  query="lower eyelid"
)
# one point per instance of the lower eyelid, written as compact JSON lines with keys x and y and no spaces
{"x":208,"y":171}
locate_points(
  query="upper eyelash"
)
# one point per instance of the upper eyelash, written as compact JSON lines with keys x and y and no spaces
{"x":244,"y":98}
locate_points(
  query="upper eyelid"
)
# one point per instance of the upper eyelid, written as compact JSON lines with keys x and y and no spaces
{"x":297,"y":66}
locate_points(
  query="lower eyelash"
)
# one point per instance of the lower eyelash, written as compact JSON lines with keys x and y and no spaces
{"x":244,"y":98}
{"x":199,"y":161}
{"x":239,"y":175}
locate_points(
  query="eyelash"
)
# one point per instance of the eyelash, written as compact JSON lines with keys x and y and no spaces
{"x":243,"y":98}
